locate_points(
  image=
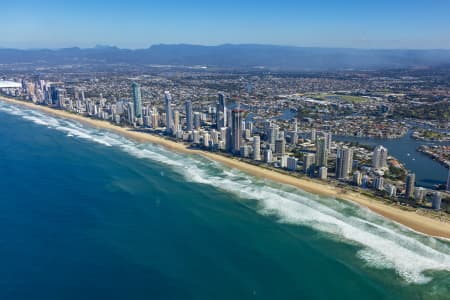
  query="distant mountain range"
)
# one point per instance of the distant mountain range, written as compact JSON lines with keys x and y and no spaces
{"x":236,"y":56}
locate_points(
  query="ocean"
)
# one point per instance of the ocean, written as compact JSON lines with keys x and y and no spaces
{"x":88,"y":214}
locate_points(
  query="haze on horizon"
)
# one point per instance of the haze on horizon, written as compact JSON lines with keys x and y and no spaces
{"x":416,"y":24}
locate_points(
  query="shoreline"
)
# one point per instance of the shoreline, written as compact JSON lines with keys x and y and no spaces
{"x":419,"y":223}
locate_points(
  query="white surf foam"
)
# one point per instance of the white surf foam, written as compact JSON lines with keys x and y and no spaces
{"x":383,"y":244}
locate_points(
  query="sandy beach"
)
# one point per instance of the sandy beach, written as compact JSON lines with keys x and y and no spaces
{"x":411,"y":219}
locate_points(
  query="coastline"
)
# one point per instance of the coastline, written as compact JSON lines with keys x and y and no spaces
{"x":411,"y":219}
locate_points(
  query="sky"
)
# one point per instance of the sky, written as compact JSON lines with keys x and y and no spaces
{"x":413,"y":24}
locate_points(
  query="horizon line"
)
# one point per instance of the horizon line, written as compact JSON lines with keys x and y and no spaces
{"x":101,"y":46}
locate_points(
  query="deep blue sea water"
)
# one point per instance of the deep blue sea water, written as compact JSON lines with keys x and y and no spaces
{"x":87,"y":214}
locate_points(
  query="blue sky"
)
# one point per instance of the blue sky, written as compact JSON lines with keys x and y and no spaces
{"x":139,"y":24}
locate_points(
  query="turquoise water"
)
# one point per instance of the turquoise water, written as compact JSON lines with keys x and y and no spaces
{"x":87,"y":214}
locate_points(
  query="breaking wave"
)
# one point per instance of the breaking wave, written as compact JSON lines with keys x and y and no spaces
{"x":382,"y":243}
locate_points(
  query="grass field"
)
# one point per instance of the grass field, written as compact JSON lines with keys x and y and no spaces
{"x":343,"y":98}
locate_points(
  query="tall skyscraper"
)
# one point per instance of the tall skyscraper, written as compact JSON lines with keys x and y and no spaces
{"x":280,"y":146}
{"x":168,"y":107}
{"x":214,"y":137}
{"x":228,"y":114}
{"x":321,"y":153}
{"x":344,"y":161}
{"x":189,"y":121}
{"x":328,"y":138}
{"x":137,"y":101}
{"x":60,"y":98}
{"x":272,"y":135}
{"x":130,"y":113}
{"x":176,"y":121}
{"x":228,"y":137}
{"x":256,"y":147}
{"x":236,"y":127}
{"x":221,"y":111}
{"x":53,"y":94}
{"x":313,"y":135}
{"x":308,"y":164}
{"x":379,"y":157}
{"x":197,"y":121}
{"x":268,"y":156}
{"x":410,"y":185}
{"x":155,"y":118}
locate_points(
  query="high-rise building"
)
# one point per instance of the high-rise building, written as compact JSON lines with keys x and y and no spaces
{"x":294,"y":138}
{"x":244,"y":151}
{"x":292,"y":163}
{"x":392,"y":190}
{"x":214,"y":137}
{"x":283,"y":161}
{"x":256,"y":147}
{"x":272,"y":135}
{"x":221,"y":111}
{"x":410,"y":185}
{"x":323,"y":173}
{"x":189,"y":121}
{"x":436,"y":201}
{"x":137,"y":100}
{"x":176,"y":121}
{"x":197,"y":122}
{"x":448,"y":181}
{"x":228,"y":139}
{"x":225,"y":137}
{"x":365,"y":181}
{"x":419,"y":194}
{"x":53,"y":94}
{"x":228,"y":114}
{"x":168,"y":109}
{"x":206,"y":139}
{"x":268,"y":156}
{"x":196,"y":137}
{"x":248,"y":125}
{"x":130,"y":113}
{"x":357,"y":178}
{"x":308,"y":164}
{"x":327,"y":136}
{"x":155,"y":118}
{"x":247,"y":134}
{"x":236,"y":128}
{"x":379,"y":159}
{"x":344,"y":162}
{"x":60,"y":100}
{"x":321,"y":153}
{"x":313,"y":135}
{"x":280,"y":146}
{"x":378,"y":183}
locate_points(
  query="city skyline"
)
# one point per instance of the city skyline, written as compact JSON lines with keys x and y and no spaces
{"x":225,"y":149}
{"x":138,"y":24}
